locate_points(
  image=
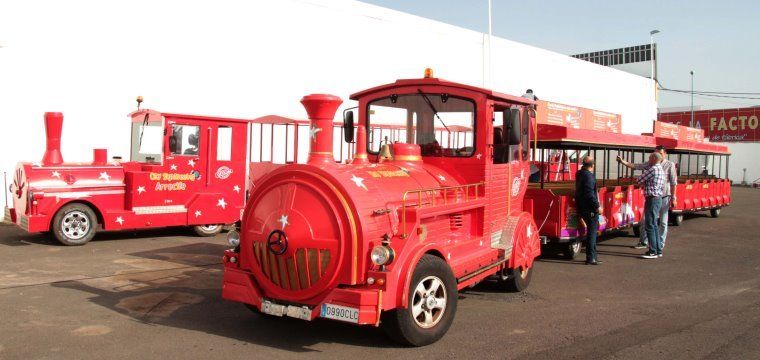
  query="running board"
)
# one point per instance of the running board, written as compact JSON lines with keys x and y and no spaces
{"x":480,"y":271}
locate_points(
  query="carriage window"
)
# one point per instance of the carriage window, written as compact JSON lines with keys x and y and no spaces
{"x":441,"y":124}
{"x":224,"y":143}
{"x":185,"y":140}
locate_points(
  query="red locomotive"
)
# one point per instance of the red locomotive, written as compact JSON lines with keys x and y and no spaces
{"x":185,"y":170}
{"x":392,"y":236}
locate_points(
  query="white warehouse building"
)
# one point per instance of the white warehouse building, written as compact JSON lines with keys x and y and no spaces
{"x":249,"y":59}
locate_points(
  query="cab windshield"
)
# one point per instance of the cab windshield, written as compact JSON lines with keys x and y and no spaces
{"x":147,"y":141}
{"x":442,"y":125}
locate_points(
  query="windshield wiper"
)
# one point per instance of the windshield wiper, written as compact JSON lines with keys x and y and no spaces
{"x":435,"y":112}
{"x":145,"y":124}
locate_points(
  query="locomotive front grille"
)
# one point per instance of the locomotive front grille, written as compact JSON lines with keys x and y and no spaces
{"x":298,"y":271}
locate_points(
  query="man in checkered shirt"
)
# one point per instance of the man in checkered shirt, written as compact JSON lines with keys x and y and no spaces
{"x":652,"y":181}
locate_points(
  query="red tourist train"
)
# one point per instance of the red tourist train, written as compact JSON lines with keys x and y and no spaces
{"x":390,"y":237}
{"x":561,"y":146}
{"x":184,"y":170}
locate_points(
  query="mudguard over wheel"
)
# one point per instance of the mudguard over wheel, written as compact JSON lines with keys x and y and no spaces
{"x":74,"y":224}
{"x":515,"y":280}
{"x":431,"y":308}
{"x":208,"y":230}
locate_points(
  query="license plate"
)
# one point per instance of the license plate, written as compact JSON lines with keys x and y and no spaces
{"x":342,"y":313}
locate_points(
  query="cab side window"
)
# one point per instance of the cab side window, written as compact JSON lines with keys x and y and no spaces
{"x":185,"y":140}
{"x":224,"y":143}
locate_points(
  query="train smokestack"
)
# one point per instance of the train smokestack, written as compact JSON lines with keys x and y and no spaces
{"x":321,"y":110}
{"x":53,"y":127}
{"x":99,"y":157}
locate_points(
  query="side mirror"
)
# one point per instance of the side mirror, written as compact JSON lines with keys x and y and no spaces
{"x":513,"y":127}
{"x":173,"y":145}
{"x":348,"y":125}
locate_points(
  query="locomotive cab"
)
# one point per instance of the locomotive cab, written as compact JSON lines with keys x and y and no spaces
{"x":430,"y":204}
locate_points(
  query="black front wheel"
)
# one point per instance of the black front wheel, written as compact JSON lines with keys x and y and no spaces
{"x":715,"y":212}
{"x":431,"y":308}
{"x":74,"y":224}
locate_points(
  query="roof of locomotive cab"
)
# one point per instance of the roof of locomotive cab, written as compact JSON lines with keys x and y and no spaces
{"x":445,"y":83}
{"x":187,"y":116}
{"x":568,"y":137}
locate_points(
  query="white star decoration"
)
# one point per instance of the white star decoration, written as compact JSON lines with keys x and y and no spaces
{"x":359,"y":182}
{"x":313,"y":132}
{"x":174,"y":166}
{"x":236,"y":189}
{"x":56,"y":174}
{"x":105,"y":176}
{"x":140,"y":189}
{"x":198,"y":213}
{"x":191,"y":162}
{"x":120,"y":220}
{"x":441,"y":177}
{"x":221,"y":203}
{"x":283,"y":221}
{"x":478,"y":156}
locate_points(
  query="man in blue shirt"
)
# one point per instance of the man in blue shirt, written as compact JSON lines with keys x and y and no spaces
{"x":587,"y":206}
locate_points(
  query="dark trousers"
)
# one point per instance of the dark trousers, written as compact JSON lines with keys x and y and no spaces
{"x":592,"y":227}
{"x":651,"y":223}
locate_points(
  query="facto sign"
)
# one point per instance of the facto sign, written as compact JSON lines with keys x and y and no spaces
{"x":723,"y":125}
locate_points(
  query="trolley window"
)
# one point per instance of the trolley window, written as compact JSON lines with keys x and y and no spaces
{"x":147,"y":141}
{"x":185,"y":140}
{"x":224,"y":143}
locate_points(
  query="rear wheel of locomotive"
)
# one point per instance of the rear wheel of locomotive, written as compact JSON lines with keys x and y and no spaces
{"x":208,"y":230}
{"x":431,"y":308}
{"x":515,"y":280}
{"x":74,"y":225}
{"x":715,"y":212}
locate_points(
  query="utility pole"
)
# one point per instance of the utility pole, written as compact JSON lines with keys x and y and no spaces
{"x":691,"y":123}
{"x":651,"y":52}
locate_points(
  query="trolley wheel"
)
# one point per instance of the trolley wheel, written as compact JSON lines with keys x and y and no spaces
{"x":432,"y":305}
{"x":208,"y":230}
{"x":677,"y":219}
{"x":571,"y":250}
{"x":636,"y":230}
{"x":74,"y":224}
{"x":515,"y":280}
{"x":715,"y":212}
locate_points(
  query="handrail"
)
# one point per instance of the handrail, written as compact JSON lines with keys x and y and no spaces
{"x":444,"y":190}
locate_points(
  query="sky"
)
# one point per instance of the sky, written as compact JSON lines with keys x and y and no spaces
{"x":718,"y":40}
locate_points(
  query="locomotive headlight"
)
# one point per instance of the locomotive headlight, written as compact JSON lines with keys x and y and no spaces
{"x":233,"y":237}
{"x":382,"y":255}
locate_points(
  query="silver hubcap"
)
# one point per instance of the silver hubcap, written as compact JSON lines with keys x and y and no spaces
{"x":429,"y":302}
{"x":209,"y":228}
{"x":576,"y":247}
{"x":75,"y":225}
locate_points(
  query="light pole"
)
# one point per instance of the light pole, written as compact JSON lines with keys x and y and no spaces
{"x":651,"y":50}
{"x":691,"y":123}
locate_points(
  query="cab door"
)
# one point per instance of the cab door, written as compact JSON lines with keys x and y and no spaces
{"x":185,"y":167}
{"x":222,"y":197}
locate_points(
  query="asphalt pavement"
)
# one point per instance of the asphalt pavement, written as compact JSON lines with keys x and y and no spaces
{"x":156,"y":294}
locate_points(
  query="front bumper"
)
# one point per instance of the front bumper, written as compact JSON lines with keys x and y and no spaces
{"x":239,"y":285}
{"x":10,"y":215}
